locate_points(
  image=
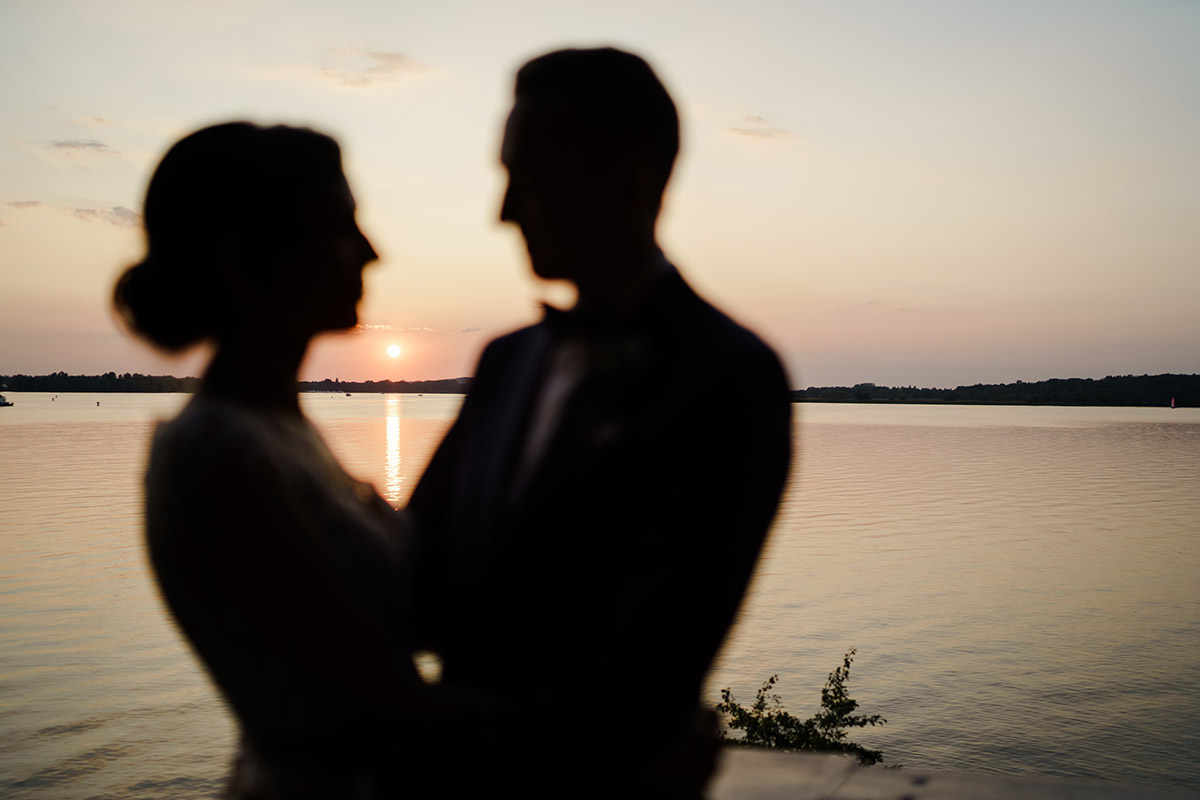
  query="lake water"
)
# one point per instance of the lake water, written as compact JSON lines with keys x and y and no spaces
{"x":1022,"y":585}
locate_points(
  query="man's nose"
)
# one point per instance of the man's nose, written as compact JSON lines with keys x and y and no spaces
{"x":507,"y":210}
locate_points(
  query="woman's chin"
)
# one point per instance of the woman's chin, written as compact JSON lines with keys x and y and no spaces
{"x":342,"y":324}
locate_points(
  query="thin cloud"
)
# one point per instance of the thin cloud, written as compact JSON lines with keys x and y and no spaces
{"x":87,"y":123}
{"x":363,"y":327}
{"x":762,"y":133}
{"x":756,"y":128}
{"x":123,"y":217}
{"x":361,"y":68}
{"x":117,"y":216}
{"x":83,"y":146}
{"x":469,"y":330}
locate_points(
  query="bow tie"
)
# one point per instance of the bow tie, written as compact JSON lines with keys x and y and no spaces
{"x":582,"y":324}
{"x":614,"y":350}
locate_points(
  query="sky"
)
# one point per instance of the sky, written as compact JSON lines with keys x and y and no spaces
{"x":905,"y":192}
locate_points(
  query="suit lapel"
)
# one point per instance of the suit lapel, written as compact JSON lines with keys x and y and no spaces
{"x":502,"y":432}
{"x":597,"y":416}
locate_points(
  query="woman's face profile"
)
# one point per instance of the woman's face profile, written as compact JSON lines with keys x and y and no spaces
{"x":326,"y":278}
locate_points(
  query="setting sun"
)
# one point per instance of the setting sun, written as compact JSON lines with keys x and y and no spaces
{"x":393,"y":351}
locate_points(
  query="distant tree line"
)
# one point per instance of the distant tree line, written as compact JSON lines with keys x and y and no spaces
{"x":1114,"y":390}
{"x":136,"y":382}
{"x":108,"y":382}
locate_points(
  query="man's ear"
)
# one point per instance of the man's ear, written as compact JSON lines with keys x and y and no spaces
{"x":645,"y":188}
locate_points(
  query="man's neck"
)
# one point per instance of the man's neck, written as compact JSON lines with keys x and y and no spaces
{"x":619,"y":287}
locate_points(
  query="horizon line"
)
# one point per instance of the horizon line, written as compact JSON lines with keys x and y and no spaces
{"x":860,"y":384}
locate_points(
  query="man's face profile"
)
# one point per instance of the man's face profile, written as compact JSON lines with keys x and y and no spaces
{"x":536,"y":193}
{"x":561,"y":190}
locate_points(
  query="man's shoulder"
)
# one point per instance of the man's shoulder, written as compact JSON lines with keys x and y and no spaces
{"x":515,"y":340}
{"x":511,"y":347}
{"x":697,"y":327}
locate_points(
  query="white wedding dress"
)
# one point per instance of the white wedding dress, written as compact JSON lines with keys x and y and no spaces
{"x":287,"y":575}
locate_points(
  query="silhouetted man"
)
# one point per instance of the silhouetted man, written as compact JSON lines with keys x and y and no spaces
{"x":590,"y":522}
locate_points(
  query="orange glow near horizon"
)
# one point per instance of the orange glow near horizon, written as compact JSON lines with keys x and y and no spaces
{"x":883,"y":194}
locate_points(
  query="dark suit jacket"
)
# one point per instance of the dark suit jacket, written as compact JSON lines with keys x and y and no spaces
{"x":604,"y":588}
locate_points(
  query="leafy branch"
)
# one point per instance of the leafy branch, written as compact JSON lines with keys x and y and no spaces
{"x":767,"y":724}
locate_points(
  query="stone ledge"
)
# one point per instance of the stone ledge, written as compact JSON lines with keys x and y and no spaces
{"x":762,"y":775}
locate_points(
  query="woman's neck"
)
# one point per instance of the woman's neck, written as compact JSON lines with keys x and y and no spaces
{"x":258,"y":370}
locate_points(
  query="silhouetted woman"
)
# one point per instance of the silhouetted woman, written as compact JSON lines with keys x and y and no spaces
{"x":286,"y":573}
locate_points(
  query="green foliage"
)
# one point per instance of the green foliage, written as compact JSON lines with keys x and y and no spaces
{"x":767,"y":724}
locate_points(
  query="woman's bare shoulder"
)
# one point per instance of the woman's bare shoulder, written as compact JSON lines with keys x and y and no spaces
{"x":220,"y":469}
{"x":216,"y":439}
{"x":214,"y":463}
{"x":206,"y":425}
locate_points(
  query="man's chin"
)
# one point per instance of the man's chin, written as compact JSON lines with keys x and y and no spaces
{"x":548,"y":269}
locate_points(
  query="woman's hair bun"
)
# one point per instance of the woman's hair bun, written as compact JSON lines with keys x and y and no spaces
{"x":154,"y":304}
{"x":223,"y":201}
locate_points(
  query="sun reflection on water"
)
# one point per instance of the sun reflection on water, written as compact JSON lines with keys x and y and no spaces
{"x":392,"y":477}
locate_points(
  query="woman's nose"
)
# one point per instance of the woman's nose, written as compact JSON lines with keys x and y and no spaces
{"x":369,"y":253}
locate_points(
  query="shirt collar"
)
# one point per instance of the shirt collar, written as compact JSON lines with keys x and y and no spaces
{"x":574,"y":323}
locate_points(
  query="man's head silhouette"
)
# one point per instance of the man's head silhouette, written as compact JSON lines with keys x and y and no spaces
{"x":589,"y":147}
